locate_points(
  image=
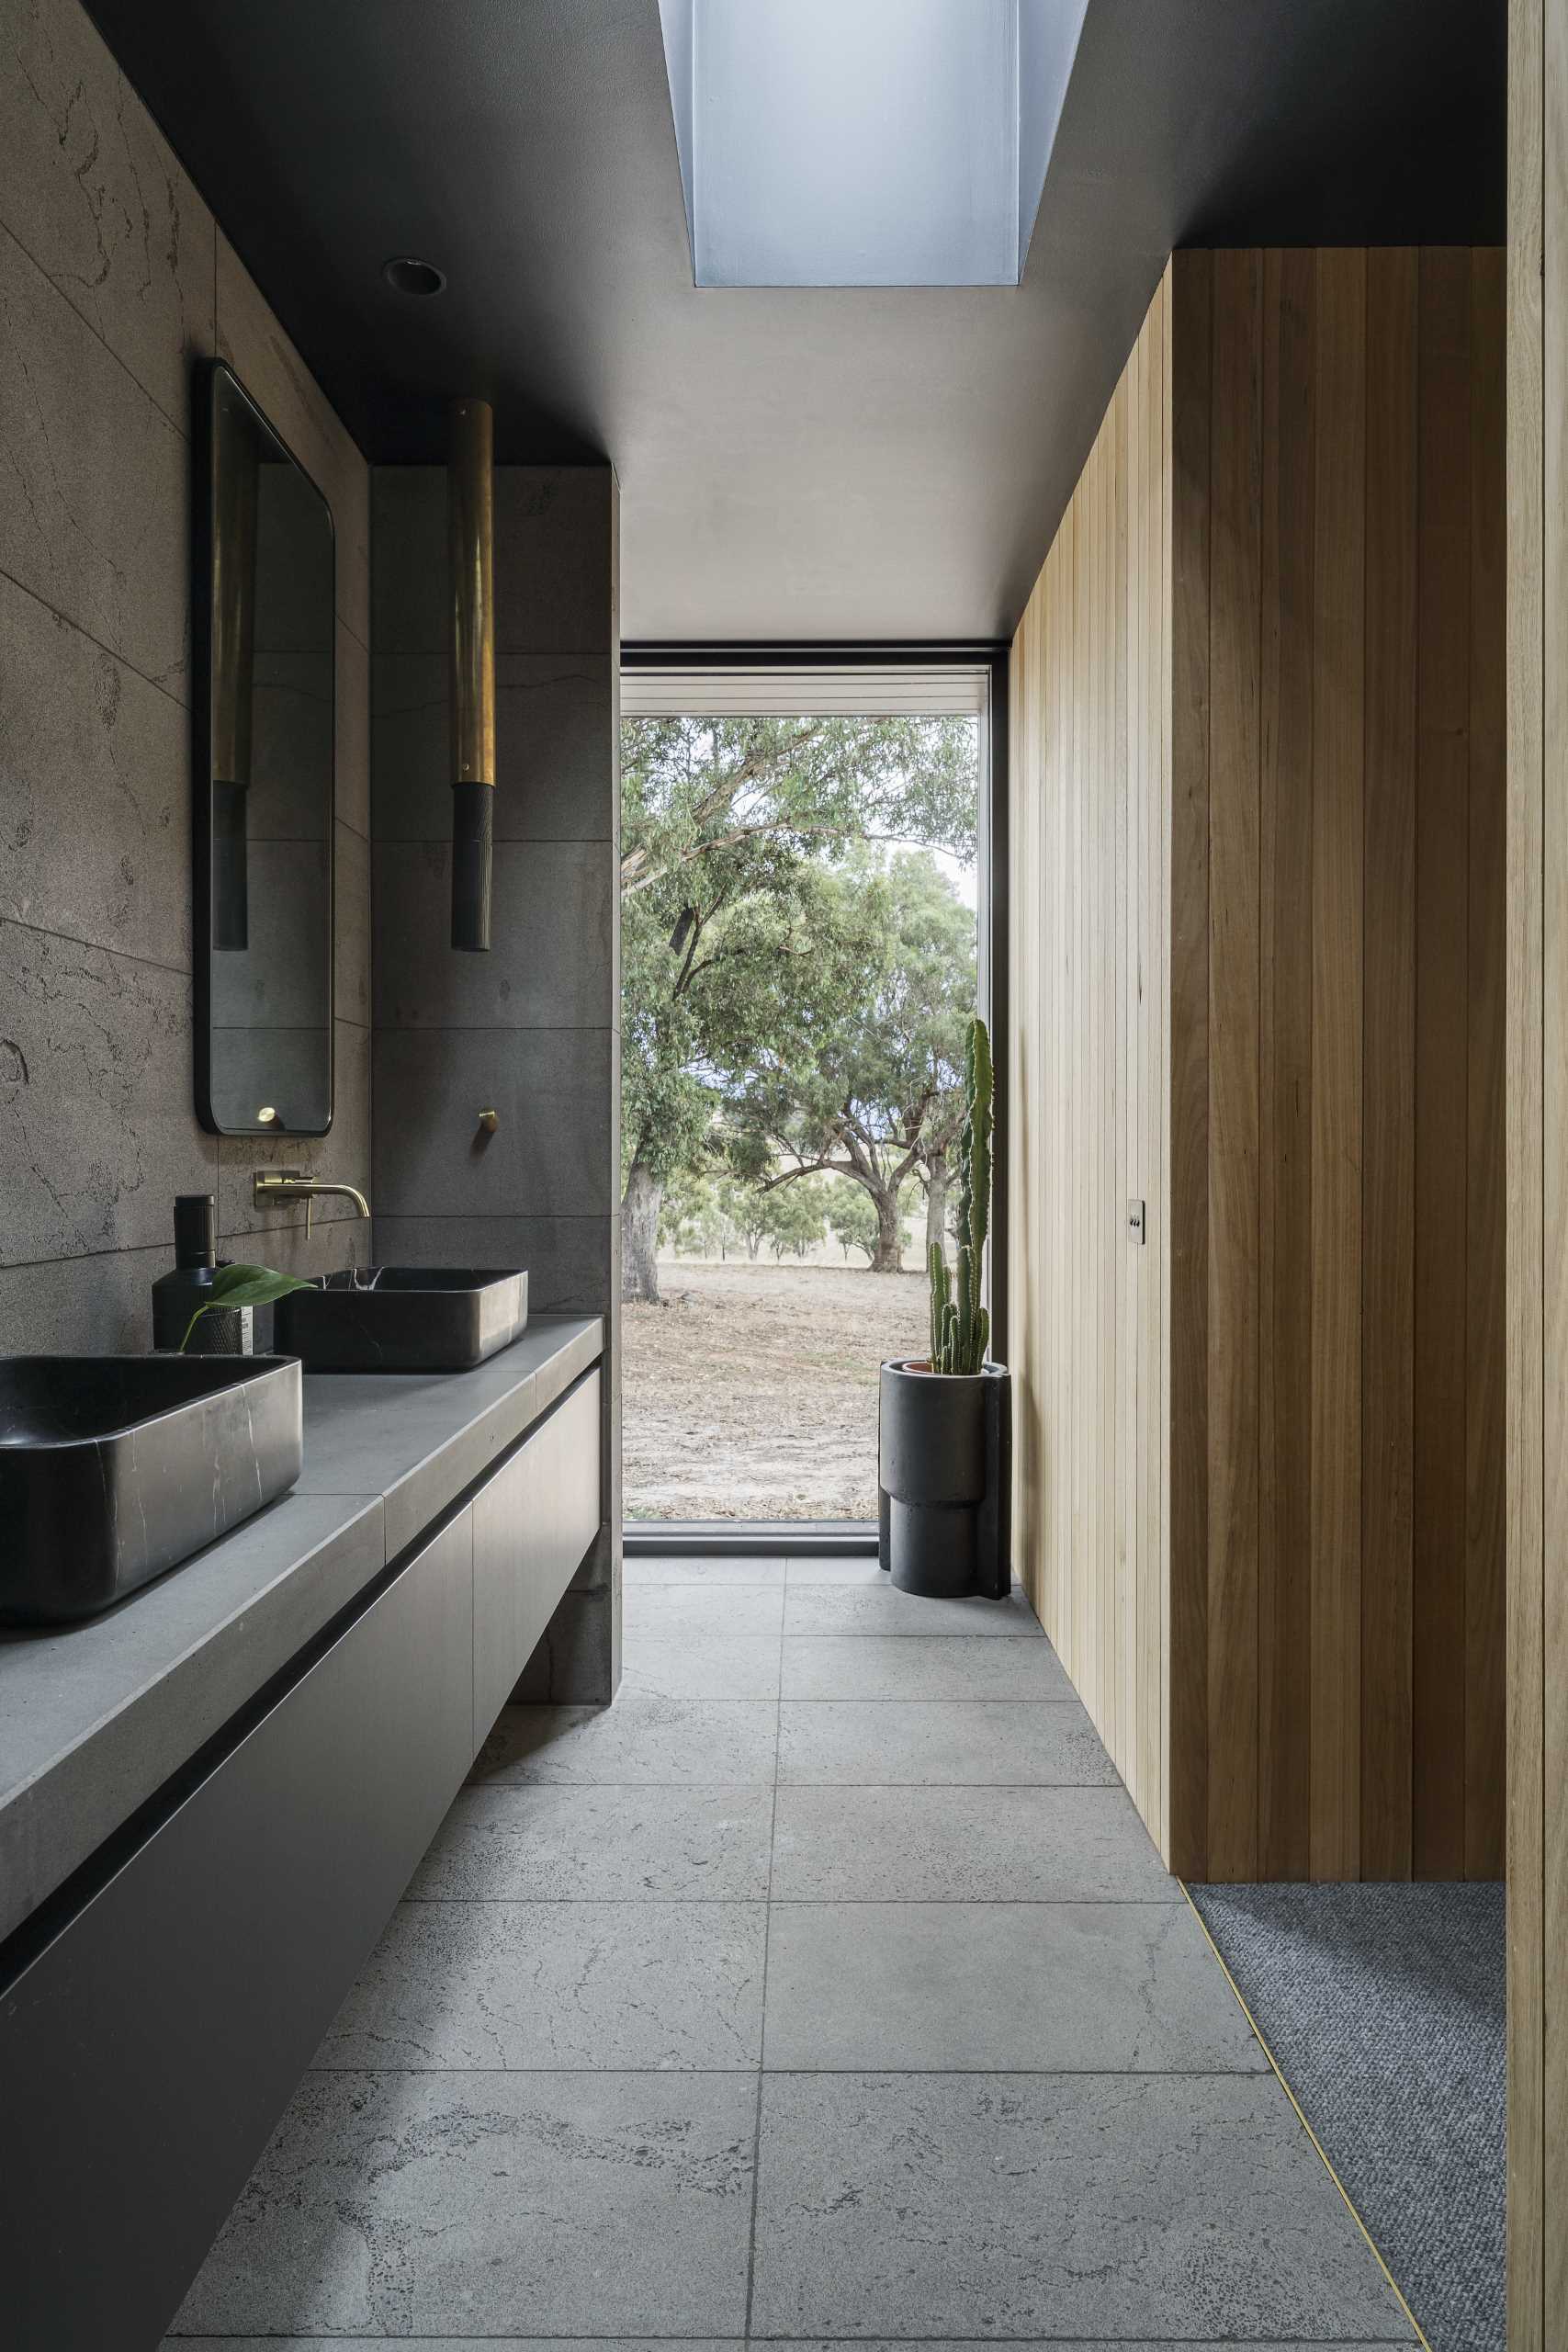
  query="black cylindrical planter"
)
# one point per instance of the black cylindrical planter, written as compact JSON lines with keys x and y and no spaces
{"x":946,"y":1480}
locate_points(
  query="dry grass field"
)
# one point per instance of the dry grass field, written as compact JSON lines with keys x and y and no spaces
{"x":751,"y":1393}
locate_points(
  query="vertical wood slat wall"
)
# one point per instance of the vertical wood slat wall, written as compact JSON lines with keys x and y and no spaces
{"x":1343,"y":1690}
{"x":1089,"y":734}
{"x":1257,"y":812}
{"x":1536,"y":1178}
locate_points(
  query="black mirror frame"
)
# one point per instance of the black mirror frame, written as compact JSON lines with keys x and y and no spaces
{"x":211,"y":376}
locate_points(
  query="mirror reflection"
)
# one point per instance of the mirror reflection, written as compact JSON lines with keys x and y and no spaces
{"x":265,"y":832}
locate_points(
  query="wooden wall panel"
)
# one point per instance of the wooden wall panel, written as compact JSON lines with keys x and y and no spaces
{"x":1388,"y":1141}
{"x":1189,"y":332}
{"x":1338,"y":878}
{"x":1090,"y":789}
{"x":1485,"y":1253}
{"x":1236,"y":482}
{"x":1259,"y":864}
{"x":1285,"y":969}
{"x":1441,"y":1118}
{"x":1352,"y":858}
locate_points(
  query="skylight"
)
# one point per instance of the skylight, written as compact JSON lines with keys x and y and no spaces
{"x":865,"y":142}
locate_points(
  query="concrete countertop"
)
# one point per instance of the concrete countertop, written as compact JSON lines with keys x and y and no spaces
{"x":95,"y":1717}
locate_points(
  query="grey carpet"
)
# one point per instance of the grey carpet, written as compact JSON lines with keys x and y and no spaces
{"x":1384,"y":2007}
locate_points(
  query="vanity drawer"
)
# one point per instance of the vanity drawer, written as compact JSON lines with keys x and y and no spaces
{"x":533,"y":1525}
{"x":148,"y":2051}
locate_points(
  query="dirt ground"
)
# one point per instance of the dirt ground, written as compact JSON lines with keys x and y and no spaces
{"x":751,"y":1393}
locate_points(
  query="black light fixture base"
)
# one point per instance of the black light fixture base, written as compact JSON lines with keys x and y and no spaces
{"x":473,"y":831}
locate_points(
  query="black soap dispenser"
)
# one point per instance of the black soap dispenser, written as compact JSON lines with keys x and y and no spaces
{"x":224,"y":1331}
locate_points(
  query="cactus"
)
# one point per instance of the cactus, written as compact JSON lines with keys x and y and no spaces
{"x":940,"y":1294}
{"x":961,"y":1327}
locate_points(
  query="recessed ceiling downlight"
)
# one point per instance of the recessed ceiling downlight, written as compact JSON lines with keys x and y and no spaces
{"x":406,"y":276}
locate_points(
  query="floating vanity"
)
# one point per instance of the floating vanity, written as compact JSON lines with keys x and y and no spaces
{"x":212,"y":1797}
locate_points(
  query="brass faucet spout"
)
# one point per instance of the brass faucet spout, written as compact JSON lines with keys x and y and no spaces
{"x":272,"y":1186}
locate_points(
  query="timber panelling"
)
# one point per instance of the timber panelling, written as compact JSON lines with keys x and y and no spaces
{"x":1234,"y":768}
{"x":1285,"y":949}
{"x":1337,"y":874}
{"x":1089,"y":785}
{"x":1258,"y":865}
{"x":1388,"y":1170}
{"x":1441,"y":1061}
{"x":1189,"y":285}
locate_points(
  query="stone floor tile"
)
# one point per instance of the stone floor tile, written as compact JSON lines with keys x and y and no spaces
{"x":643,"y":1738}
{"x":662,"y":1610}
{"x":857,"y":1609}
{"x":691,"y":1665}
{"x":503,"y":2344}
{"x":897,"y":1667}
{"x":1049,"y":2206}
{"x":656,"y":2344}
{"x":509,"y":1986}
{"x":745,"y":1575}
{"x":944,"y":1844}
{"x":1082,"y":1987}
{"x":484,"y":2205}
{"x":995,"y":1743}
{"x":851,"y":1568}
{"x":607,"y":1845}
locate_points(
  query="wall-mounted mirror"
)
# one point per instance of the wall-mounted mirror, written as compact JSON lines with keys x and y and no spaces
{"x":263,"y":775}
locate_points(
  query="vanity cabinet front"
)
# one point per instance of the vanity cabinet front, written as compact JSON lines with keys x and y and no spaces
{"x":157,"y":2017}
{"x":148,"y":2051}
{"x":533,"y":1525}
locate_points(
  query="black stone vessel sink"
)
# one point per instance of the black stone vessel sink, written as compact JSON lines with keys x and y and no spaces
{"x":403,"y":1318}
{"x":114,"y":1468}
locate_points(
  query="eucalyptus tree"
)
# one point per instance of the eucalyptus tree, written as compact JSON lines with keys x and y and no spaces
{"x":872,"y":1092}
{"x":739,"y":951}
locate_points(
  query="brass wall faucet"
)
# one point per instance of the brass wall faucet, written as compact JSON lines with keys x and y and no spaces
{"x":272,"y":1186}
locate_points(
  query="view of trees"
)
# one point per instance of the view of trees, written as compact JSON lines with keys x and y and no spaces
{"x":797,"y":969}
{"x":706,"y":1215}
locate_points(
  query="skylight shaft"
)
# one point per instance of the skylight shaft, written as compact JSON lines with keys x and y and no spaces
{"x":865,"y":142}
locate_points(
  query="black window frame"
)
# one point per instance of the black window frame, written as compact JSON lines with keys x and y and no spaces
{"x":695,"y":1538}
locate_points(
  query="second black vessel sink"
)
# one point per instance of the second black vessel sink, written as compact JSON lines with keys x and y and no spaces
{"x":114,"y":1468}
{"x":403,"y":1318}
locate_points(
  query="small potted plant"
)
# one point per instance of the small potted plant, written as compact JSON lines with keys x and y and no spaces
{"x":946,"y":1447}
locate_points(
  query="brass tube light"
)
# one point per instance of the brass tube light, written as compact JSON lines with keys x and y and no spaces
{"x":471,"y":530}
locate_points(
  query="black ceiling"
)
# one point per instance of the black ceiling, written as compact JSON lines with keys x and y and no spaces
{"x":793,"y":464}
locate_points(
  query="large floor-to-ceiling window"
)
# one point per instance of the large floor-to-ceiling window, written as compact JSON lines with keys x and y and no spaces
{"x":803,"y":868}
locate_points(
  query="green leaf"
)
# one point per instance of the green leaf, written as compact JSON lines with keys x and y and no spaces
{"x":242,"y":1286}
{"x":252,"y":1286}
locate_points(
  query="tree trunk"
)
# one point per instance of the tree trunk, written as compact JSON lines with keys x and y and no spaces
{"x":936,"y":1203}
{"x":639,"y":1235}
{"x":889,"y":1254}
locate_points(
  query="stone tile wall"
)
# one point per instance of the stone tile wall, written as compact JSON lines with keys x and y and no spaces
{"x":115,"y":281}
